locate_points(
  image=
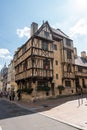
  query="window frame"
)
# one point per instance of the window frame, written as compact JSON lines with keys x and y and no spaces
{"x":68,"y":42}
{"x":69,"y":54}
{"x":56,"y":76}
{"x":45,"y":45}
{"x":68,"y":83}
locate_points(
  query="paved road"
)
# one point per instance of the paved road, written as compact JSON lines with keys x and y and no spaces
{"x":13,"y":117}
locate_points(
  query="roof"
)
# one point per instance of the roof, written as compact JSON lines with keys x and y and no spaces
{"x":56,"y":33}
{"x":81,"y":61}
{"x":59,"y":32}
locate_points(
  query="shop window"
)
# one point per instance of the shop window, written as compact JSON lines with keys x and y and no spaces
{"x":68,"y":83}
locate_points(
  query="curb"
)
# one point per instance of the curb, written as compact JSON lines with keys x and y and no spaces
{"x":64,"y":122}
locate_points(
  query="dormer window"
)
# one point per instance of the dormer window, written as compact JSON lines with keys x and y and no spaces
{"x":46,"y":34}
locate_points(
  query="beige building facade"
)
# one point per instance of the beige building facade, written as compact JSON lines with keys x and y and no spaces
{"x":46,"y":63}
{"x":11,"y":84}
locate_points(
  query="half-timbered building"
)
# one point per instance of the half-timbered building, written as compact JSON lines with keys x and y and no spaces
{"x":45,"y":62}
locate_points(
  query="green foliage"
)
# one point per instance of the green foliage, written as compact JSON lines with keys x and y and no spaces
{"x":60,"y":88}
{"x":26,"y":90}
{"x":43,"y":88}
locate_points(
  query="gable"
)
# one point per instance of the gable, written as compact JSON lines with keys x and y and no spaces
{"x":45,"y":32}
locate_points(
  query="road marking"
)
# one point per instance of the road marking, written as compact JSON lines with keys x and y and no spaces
{"x":0,"y":128}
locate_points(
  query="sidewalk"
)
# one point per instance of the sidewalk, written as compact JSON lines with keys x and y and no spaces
{"x":70,"y":113}
{"x":69,"y":110}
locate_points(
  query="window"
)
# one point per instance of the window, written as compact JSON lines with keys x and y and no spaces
{"x":83,"y":82}
{"x":41,"y":83}
{"x":79,"y":68}
{"x":56,"y":62}
{"x":46,"y":64}
{"x":69,"y":68}
{"x":46,"y":34}
{"x":69,"y":54}
{"x":56,"y":76}
{"x":54,"y":47}
{"x":16,"y":56}
{"x":68,"y":42}
{"x":44,"y":45}
{"x":23,"y":49}
{"x":24,"y":65}
{"x":68,"y":83}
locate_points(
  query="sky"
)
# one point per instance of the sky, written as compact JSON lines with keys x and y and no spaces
{"x":16,"y":17}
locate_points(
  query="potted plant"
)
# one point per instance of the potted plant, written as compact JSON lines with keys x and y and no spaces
{"x":60,"y":88}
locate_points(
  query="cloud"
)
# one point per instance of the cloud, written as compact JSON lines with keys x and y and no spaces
{"x":77,"y":6}
{"x":80,"y":28}
{"x":5,"y":54}
{"x":81,"y":5}
{"x":23,"y":32}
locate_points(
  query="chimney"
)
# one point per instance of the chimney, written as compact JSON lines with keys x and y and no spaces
{"x":34,"y":28}
{"x":83,"y":54}
{"x":75,"y":52}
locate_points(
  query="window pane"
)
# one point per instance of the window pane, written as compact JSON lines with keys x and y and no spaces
{"x":44,"y":45}
{"x":46,"y":64}
{"x":79,"y":68}
{"x":68,"y":68}
{"x":54,"y":47}
{"x":68,"y":42}
{"x":68,"y":83}
{"x":69,"y":54}
{"x":56,"y":76}
{"x":46,"y":34}
{"x":56,"y":62}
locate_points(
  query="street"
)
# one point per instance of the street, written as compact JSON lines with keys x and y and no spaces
{"x":13,"y":117}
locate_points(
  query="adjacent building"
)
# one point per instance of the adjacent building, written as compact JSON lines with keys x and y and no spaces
{"x":11,"y":84}
{"x":81,"y":70}
{"x":4,"y":74}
